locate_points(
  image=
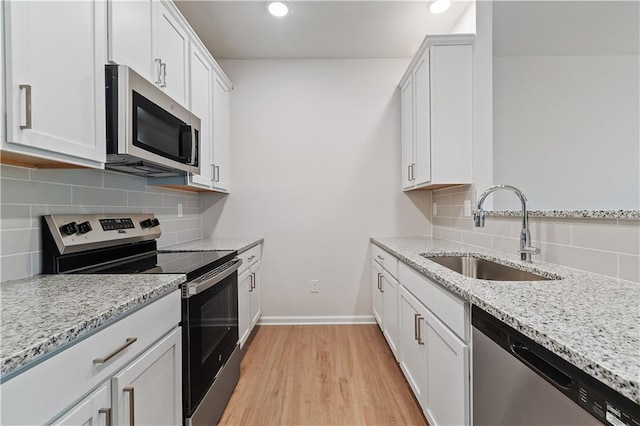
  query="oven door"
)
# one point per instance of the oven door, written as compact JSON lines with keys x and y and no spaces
{"x":210,"y":331}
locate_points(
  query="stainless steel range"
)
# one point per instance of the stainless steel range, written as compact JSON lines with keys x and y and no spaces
{"x":126,"y":244}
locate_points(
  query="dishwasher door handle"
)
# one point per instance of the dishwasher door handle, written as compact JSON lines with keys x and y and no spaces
{"x":540,"y":365}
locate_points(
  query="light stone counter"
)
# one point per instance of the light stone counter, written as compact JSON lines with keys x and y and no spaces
{"x":216,"y":244}
{"x":590,"y":320}
{"x":45,"y":313}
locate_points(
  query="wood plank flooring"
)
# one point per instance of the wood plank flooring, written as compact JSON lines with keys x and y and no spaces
{"x":321,"y":375}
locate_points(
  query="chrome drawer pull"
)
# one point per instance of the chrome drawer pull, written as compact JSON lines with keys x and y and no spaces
{"x":130,"y":341}
{"x":418,"y":331}
{"x":107,"y":413}
{"x":380,"y":257}
{"x":132,"y":416}
{"x":415,"y":326}
{"x":27,"y":89}
{"x":379,"y":283}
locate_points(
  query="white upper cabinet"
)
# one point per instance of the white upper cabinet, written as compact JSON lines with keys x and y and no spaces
{"x":151,"y":37}
{"x":202,"y":106}
{"x":171,"y":53}
{"x":221,"y":133}
{"x":55,"y":55}
{"x":436,"y":102}
{"x":130,"y":35}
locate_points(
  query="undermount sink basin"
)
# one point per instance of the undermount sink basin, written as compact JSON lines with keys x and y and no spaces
{"x":484,"y":269}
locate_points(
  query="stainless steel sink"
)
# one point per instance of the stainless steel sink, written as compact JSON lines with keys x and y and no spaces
{"x":485,"y":269}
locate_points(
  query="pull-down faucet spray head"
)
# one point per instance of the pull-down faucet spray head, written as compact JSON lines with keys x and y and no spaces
{"x":478,"y":218}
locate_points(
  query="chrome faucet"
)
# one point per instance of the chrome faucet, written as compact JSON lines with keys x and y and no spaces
{"x":525,"y":236}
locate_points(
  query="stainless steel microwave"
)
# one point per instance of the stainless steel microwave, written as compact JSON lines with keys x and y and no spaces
{"x":148,"y":133}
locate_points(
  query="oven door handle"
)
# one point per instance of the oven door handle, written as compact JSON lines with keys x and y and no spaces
{"x":198,"y":287}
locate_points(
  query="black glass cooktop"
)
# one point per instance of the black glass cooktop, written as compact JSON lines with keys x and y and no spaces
{"x":193,"y":264}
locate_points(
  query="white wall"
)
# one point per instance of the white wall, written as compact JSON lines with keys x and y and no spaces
{"x":570,"y":122}
{"x":316,"y":171}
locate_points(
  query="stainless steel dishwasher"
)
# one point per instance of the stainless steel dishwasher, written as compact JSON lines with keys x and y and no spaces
{"x":518,"y":382}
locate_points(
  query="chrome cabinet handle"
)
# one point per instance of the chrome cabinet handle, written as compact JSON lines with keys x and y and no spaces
{"x":250,"y":282}
{"x":380,"y":279}
{"x":158,"y":62}
{"x":379,"y":283}
{"x":253,"y":256}
{"x":107,"y":413}
{"x":418,"y":331}
{"x":132,"y":400}
{"x":413,"y":177}
{"x":27,"y":89}
{"x":217,"y":174}
{"x":163,"y":70}
{"x":380,"y":257}
{"x":130,"y":341}
{"x":253,"y":280}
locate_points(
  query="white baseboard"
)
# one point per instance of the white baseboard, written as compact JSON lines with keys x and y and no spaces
{"x":308,"y":320}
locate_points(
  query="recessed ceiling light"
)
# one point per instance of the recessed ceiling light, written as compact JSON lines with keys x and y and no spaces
{"x":278,"y":8}
{"x":439,"y":6}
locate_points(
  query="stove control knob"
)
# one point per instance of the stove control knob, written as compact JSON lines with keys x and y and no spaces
{"x":69,"y":229}
{"x":154,"y":222}
{"x":147,"y":223}
{"x":84,"y":227}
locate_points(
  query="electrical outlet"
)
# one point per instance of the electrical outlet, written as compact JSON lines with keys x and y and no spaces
{"x":179,"y":210}
{"x":315,"y":286}
{"x":435,"y":209}
{"x":467,"y":208}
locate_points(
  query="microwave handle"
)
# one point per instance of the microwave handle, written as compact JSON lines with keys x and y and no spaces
{"x":185,"y":145}
{"x":195,"y":143}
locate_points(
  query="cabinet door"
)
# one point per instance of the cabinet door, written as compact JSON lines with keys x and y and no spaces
{"x":413,"y":351}
{"x":130,"y":35}
{"x":390,"y":301}
{"x":202,"y":106}
{"x":422,"y":125}
{"x":448,"y":379}
{"x":406,"y":104}
{"x":221,"y":134}
{"x":149,"y":390}
{"x":172,"y":52}
{"x":376,"y":293}
{"x":94,"y":410}
{"x":255,"y":295}
{"x":244,"y":306}
{"x":55,"y":56}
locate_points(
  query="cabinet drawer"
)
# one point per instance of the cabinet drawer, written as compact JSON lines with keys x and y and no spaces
{"x":447,"y":307}
{"x":388,"y":261}
{"x":44,"y":391}
{"x":250,"y":257}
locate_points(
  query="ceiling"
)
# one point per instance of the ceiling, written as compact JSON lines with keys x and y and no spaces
{"x":327,"y":29}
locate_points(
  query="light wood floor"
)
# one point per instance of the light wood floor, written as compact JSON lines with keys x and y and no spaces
{"x":321,"y":375}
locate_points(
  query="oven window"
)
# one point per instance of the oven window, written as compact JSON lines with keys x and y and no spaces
{"x":210,"y":335}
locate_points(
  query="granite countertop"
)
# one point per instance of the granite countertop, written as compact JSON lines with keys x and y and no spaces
{"x":590,"y":320}
{"x":215,"y":244}
{"x":43,"y":313}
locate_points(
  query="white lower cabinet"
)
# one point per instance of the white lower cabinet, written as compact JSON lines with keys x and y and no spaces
{"x":428,"y":330}
{"x":85,"y":383}
{"x":435,"y":363}
{"x":413,"y":358}
{"x":249,"y":292}
{"x":93,"y":410}
{"x":148,"y":392}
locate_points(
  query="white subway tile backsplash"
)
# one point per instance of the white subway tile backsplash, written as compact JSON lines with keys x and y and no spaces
{"x":606,"y":246}
{"x":146,"y":200}
{"x":15,"y":216}
{"x":14,"y":172}
{"x":86,"y":196}
{"x":15,"y":266}
{"x":607,"y":236}
{"x":128,"y":182}
{"x":84,"y":177}
{"x":28,"y":194}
